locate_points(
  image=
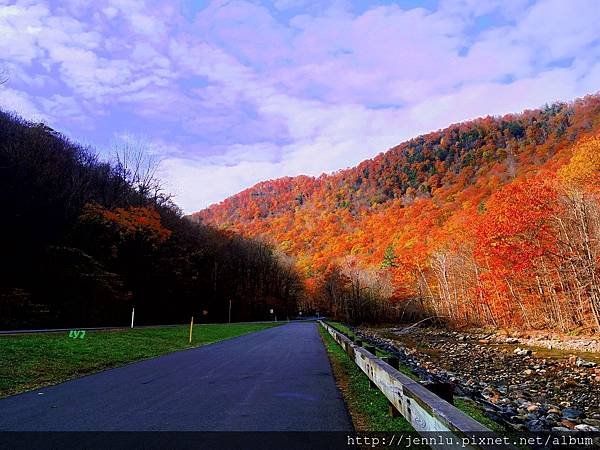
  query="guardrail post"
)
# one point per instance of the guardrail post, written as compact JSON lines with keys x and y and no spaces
{"x":442,"y":390}
{"x":392,"y":411}
{"x":393,"y":361}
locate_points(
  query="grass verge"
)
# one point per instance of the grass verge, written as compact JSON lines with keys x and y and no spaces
{"x":368,"y":406}
{"x":471,"y":408}
{"x":32,"y":361}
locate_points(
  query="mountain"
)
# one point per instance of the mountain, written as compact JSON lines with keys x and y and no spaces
{"x":433,"y":225}
{"x":83,"y":241}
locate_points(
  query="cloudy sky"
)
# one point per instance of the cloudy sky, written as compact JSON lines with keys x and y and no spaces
{"x":232,"y":92}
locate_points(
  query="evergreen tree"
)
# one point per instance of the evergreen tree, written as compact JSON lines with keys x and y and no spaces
{"x":389,"y":258}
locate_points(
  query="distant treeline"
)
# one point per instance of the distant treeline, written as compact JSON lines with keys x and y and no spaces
{"x":84,"y":240}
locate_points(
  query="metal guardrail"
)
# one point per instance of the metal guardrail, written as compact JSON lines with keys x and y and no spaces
{"x":424,"y":410}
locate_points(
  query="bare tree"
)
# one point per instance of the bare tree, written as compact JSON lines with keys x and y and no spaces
{"x":137,"y":166}
{"x":4,"y":76}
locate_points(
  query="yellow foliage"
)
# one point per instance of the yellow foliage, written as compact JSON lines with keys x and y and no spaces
{"x":583,"y":170}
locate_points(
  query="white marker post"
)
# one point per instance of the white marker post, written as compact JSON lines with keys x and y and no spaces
{"x":132,"y":316}
{"x":191,"y":328}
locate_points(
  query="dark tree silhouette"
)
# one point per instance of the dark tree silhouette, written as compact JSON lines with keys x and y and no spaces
{"x":84,"y":240}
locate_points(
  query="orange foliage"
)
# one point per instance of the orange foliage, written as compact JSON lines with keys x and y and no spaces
{"x":466,"y":210}
{"x":516,"y":227}
{"x":142,"y":221}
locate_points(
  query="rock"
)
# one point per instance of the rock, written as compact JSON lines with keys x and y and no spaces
{"x":562,"y":429}
{"x":527,"y":389}
{"x":571,"y":413}
{"x":583,"y":363}
{"x":535,"y":425}
{"x":584,"y":427}
{"x":522,"y":351}
{"x":507,"y":413}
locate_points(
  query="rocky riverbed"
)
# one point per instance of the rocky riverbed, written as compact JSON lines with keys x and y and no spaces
{"x":523,"y":387}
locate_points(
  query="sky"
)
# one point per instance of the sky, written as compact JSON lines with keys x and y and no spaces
{"x":227,"y":93}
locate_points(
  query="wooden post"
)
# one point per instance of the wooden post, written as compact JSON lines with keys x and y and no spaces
{"x":392,"y":411}
{"x":191,"y":328}
{"x":393,"y":361}
{"x":229,"y":321}
{"x":442,"y":390}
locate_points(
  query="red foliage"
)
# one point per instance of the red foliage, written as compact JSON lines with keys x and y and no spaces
{"x":469,"y":195}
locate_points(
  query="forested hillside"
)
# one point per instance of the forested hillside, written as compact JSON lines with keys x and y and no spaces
{"x":84,"y":240}
{"x":489,"y":222}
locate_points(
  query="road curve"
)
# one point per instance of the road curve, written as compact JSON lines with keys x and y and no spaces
{"x":277,"y":379}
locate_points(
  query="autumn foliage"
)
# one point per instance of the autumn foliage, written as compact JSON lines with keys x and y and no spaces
{"x":132,"y":222}
{"x":583,"y":171}
{"x":490,"y":222}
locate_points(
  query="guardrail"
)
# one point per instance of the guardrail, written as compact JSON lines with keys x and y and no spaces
{"x":424,"y":410}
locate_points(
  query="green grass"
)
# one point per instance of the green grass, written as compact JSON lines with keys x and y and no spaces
{"x":470,"y":408}
{"x":32,"y":361}
{"x":368,"y":406}
{"x":344,"y":329}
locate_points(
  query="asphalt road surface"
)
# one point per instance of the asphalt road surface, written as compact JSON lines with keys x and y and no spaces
{"x":277,"y":379}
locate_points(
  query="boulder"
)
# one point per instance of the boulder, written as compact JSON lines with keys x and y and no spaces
{"x":571,"y":413}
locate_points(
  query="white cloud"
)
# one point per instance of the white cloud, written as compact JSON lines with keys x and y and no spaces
{"x":194,"y":181}
{"x":237,"y":94}
{"x":20,"y":103}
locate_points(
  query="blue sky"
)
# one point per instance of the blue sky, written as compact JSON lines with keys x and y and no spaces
{"x":232,"y":92}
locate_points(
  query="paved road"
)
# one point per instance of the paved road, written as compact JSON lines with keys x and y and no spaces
{"x":273,"y":380}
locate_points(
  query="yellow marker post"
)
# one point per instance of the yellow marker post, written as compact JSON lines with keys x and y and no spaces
{"x":191,"y":328}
